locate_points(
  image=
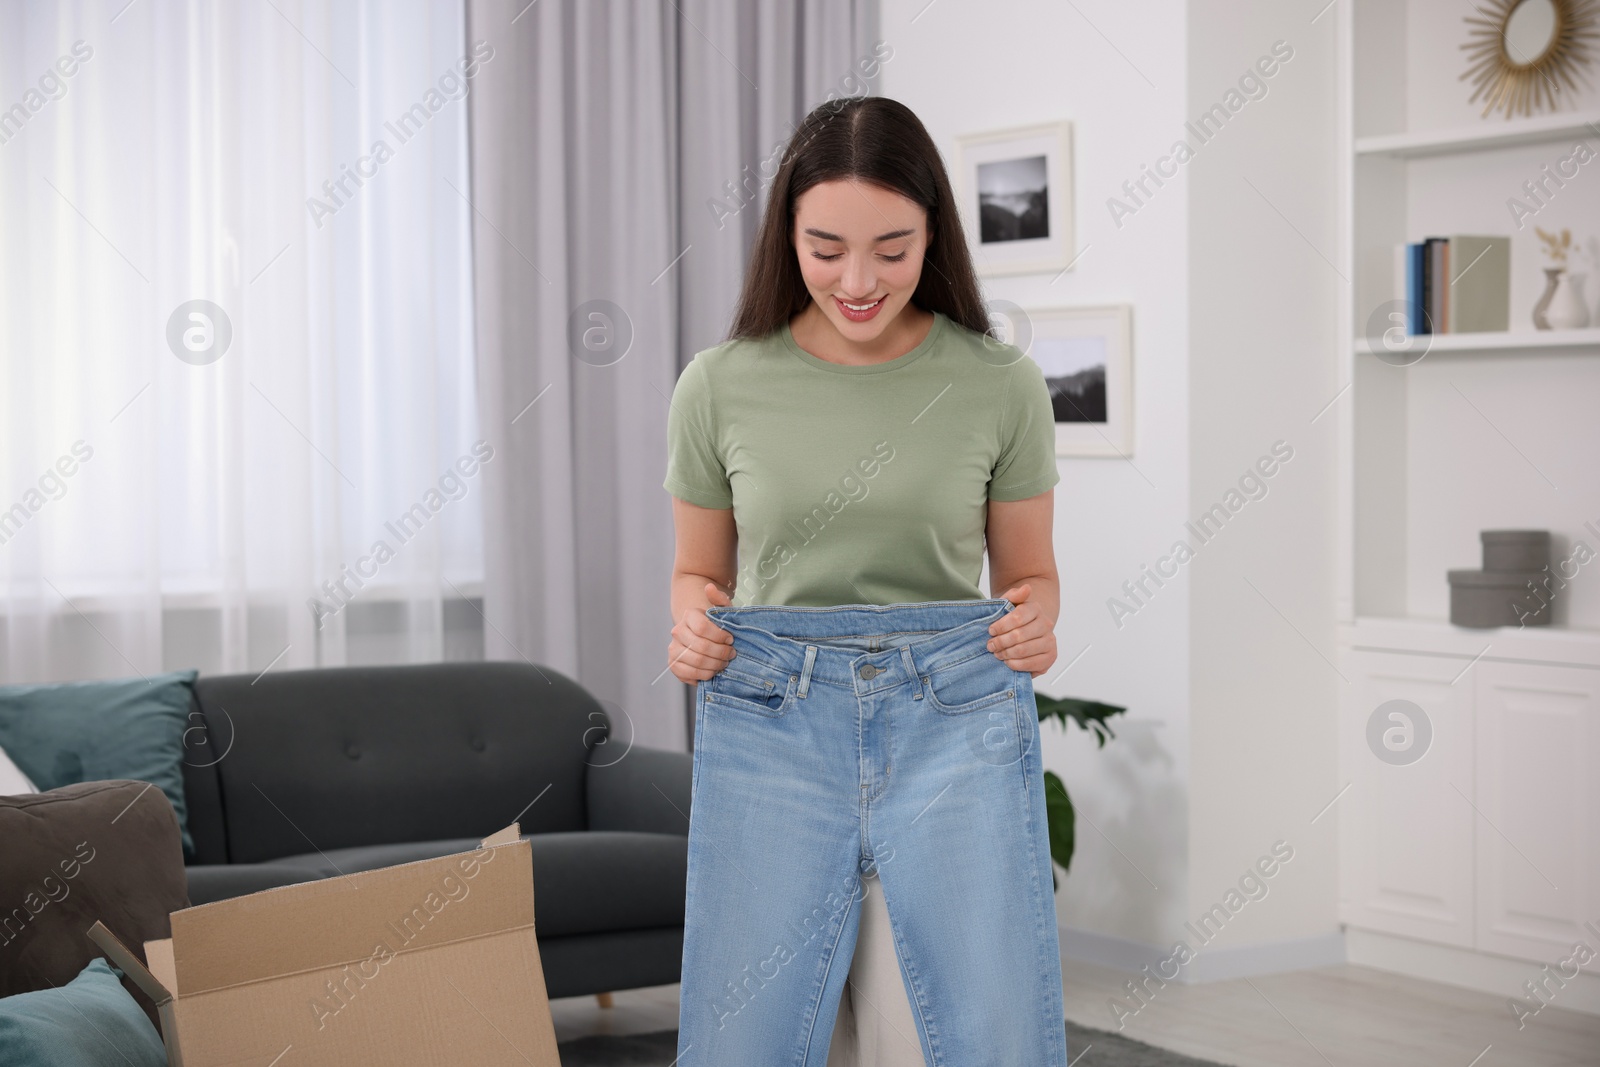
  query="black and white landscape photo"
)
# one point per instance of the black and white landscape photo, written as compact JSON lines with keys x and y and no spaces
{"x":1075,"y":370}
{"x":1013,"y":200}
{"x":1015,"y":186}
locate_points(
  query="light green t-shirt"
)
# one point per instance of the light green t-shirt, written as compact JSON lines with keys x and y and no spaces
{"x":860,"y":484}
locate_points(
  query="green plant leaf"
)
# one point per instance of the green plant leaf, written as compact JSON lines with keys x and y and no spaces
{"x":1089,"y":714}
{"x":1062,"y":821}
{"x":1060,"y":818}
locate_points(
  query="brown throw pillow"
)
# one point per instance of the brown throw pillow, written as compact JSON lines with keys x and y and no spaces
{"x":107,"y":851}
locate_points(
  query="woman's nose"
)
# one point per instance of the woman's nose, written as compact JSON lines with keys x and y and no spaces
{"x":859,"y":280}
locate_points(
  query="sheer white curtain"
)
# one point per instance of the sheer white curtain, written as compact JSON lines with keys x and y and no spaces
{"x":300,"y":165}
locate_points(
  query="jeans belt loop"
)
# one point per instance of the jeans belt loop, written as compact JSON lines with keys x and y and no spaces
{"x":911,"y":669}
{"x":805,"y":672}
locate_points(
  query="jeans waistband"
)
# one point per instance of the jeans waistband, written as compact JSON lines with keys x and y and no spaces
{"x":865,"y":647}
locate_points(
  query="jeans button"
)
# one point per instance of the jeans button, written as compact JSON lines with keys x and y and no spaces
{"x":868,"y":671}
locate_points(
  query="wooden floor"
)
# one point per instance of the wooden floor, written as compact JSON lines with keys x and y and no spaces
{"x":1330,"y":1017}
{"x":1345,"y":1016}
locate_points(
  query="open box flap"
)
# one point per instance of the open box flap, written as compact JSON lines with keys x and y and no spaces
{"x":354,"y":918}
{"x":155,"y":989}
{"x":158,"y":957}
{"x":504,"y":837}
{"x":128,"y":963}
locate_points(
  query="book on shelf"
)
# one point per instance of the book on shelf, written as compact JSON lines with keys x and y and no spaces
{"x":1457,"y":284}
{"x":1438,"y":275}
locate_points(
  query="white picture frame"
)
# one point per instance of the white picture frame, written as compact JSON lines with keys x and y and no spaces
{"x":1073,"y":346}
{"x":1015,"y":188}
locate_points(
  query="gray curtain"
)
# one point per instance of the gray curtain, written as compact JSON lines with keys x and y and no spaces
{"x":620,"y":152}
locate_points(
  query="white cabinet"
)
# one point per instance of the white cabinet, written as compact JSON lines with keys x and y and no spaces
{"x":1491,"y":840}
{"x":1538,"y":837}
{"x":1408,"y":850}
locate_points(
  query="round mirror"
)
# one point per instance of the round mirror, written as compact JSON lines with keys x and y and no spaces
{"x":1522,"y":55}
{"x":1530,"y":29}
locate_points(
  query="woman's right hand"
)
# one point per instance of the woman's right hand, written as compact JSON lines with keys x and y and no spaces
{"x":700,"y":648}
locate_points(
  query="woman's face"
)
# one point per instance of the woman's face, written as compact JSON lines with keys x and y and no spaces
{"x":860,"y":246}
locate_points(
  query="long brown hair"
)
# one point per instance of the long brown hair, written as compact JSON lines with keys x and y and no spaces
{"x":878,"y":140}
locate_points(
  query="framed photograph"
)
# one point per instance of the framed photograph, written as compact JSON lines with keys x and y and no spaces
{"x":1087,"y":357}
{"x":1015,"y":187}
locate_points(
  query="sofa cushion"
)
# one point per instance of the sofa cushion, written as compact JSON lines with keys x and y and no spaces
{"x":90,"y":1020}
{"x":351,"y":756}
{"x":98,"y":731}
{"x":224,"y":881}
{"x":607,"y":880}
{"x":584,"y":882}
{"x":338,"y":861}
{"x":104,"y":851}
{"x":206,"y":742}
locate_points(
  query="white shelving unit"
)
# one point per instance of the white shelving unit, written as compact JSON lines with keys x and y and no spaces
{"x":1511,"y":341}
{"x":1452,"y":858}
{"x":1505,"y":133}
{"x":1422,"y":471}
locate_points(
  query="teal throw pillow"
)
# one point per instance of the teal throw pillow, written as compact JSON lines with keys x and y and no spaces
{"x":91,"y":1019}
{"x":94,"y":731}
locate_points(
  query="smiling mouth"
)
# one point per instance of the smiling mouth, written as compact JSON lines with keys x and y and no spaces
{"x":863,"y":307}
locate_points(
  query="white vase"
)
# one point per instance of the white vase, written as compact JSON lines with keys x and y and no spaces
{"x":1568,"y":309}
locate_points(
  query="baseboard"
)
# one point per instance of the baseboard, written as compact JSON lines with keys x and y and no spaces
{"x":1500,"y":976}
{"x":1273,"y":957}
{"x":1208,"y":964}
{"x":1118,"y":953}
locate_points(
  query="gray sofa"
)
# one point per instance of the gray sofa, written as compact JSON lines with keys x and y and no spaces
{"x":300,"y":775}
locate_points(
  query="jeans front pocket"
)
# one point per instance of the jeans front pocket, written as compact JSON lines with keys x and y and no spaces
{"x":981,"y":681}
{"x":752,"y":686}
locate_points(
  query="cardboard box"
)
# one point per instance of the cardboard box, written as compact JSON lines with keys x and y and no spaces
{"x":425,"y":963}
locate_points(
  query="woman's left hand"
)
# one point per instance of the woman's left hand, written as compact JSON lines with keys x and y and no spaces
{"x":1023,"y":638}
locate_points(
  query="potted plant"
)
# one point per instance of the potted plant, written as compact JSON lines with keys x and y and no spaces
{"x":1091,"y":715}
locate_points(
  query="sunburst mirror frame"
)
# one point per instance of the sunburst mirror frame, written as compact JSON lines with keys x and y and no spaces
{"x":1523,"y":83}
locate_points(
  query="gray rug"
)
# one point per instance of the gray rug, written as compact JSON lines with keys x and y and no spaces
{"x":1088,"y":1048}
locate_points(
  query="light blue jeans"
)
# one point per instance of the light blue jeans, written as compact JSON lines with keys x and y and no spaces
{"x":849,"y":739}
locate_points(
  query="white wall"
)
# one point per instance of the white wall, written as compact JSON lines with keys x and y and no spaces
{"x":1264,"y":292}
{"x":1229,"y":741}
{"x":1435,"y":95}
{"x":1117,"y":72}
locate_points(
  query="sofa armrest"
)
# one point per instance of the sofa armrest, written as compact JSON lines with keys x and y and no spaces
{"x":646,"y":791}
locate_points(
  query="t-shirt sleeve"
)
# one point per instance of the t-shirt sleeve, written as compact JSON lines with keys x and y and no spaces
{"x":695,"y":470}
{"x":1027,"y":463}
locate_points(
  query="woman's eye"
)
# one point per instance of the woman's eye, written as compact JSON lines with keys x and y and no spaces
{"x":836,"y":255}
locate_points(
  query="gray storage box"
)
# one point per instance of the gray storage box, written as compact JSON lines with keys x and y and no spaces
{"x":1515,"y":550}
{"x":1483,"y":599}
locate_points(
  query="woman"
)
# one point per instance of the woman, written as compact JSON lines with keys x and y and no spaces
{"x":868,"y":798}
